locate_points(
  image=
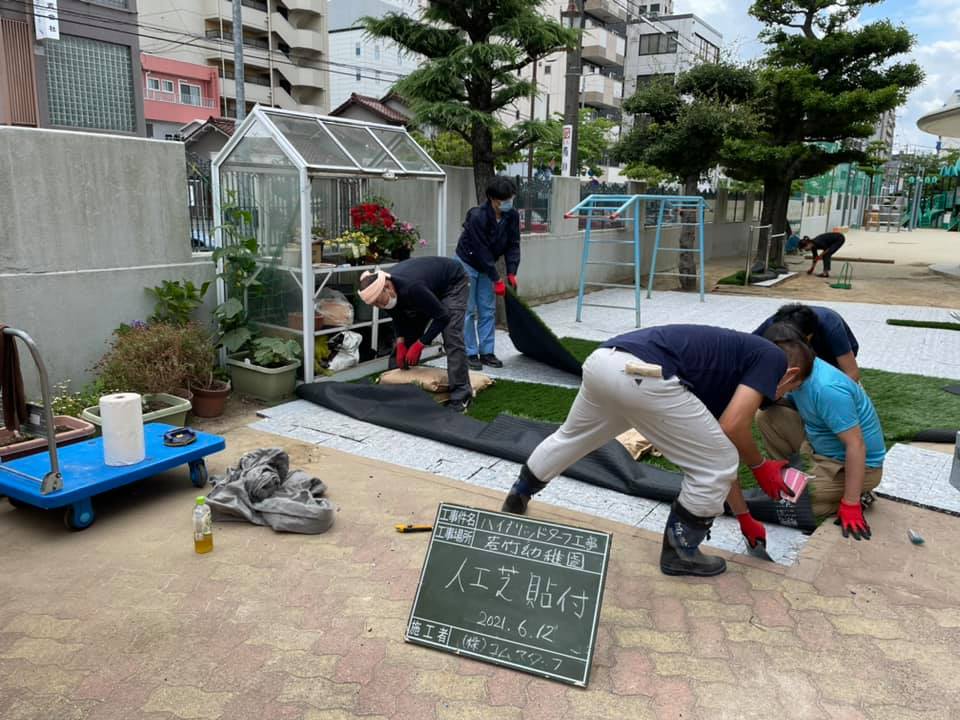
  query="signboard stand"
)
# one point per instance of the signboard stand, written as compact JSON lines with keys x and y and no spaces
{"x":512,"y":591}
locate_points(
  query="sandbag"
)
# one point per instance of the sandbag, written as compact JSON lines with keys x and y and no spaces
{"x":432,"y":379}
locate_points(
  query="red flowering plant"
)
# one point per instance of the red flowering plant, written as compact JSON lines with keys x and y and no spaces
{"x":376,"y":220}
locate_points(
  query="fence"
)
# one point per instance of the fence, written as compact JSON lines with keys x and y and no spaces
{"x":533,"y":202}
{"x":199,"y":203}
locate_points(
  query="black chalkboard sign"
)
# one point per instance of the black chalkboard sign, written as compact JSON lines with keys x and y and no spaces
{"x":512,"y":591}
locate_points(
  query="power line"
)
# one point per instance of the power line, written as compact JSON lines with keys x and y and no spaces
{"x":326,"y":65}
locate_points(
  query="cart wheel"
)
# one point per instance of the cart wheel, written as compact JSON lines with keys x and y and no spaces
{"x":79,"y":516}
{"x":198,"y":474}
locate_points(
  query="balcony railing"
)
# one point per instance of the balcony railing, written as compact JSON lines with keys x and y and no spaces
{"x":172,"y":97}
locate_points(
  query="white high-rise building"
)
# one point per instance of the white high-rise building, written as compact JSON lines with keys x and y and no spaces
{"x":284,"y":42}
{"x":360,"y":64}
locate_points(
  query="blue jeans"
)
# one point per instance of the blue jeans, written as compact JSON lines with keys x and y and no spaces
{"x":480,"y":321}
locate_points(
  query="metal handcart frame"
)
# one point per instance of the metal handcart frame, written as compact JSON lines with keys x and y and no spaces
{"x":68,"y":478}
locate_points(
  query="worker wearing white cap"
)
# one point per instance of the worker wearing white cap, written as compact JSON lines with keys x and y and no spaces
{"x":426,"y":297}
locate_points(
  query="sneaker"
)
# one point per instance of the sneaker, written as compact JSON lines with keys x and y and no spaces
{"x":473,"y":361}
{"x":491,"y":360}
{"x":461,"y":406}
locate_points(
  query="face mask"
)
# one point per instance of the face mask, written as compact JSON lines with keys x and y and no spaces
{"x":506,"y":205}
{"x":391,"y":303}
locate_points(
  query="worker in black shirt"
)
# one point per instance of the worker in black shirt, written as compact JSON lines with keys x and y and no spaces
{"x":828,"y":244}
{"x":426,"y":297}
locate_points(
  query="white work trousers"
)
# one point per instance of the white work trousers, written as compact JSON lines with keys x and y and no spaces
{"x":664,"y":411}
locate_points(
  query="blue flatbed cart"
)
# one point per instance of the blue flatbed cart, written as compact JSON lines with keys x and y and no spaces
{"x":69,"y":477}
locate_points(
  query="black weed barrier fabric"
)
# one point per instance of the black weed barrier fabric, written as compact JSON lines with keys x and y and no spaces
{"x":530,"y":335}
{"x":410,"y":410}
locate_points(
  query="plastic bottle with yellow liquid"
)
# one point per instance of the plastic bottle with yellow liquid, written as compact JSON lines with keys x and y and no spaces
{"x":202,"y":526}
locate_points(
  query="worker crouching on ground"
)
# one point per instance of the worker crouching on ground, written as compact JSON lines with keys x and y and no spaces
{"x":824,"y":330}
{"x":490,"y":231}
{"x":691,"y":390}
{"x":835,"y":432}
{"x":827,"y":244}
{"x":426,"y":297}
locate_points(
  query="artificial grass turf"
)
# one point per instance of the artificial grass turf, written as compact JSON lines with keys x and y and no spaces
{"x":905,"y":403}
{"x":925,"y":324}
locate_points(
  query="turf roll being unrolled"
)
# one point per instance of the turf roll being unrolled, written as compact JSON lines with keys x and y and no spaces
{"x":531,"y":336}
{"x":410,"y":410}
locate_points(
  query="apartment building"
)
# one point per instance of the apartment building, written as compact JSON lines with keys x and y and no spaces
{"x":74,"y":67}
{"x":363,"y":65}
{"x":666,"y":45}
{"x":603,"y":55}
{"x":286,"y":60}
{"x":176,"y":93}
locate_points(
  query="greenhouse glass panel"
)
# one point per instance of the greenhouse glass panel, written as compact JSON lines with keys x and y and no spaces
{"x":259,"y":148}
{"x":312,"y":142}
{"x":406,"y":151}
{"x":364,"y":147}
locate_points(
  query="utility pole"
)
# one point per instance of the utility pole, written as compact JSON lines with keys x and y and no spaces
{"x":533,"y":110}
{"x":571,"y":101}
{"x":241,"y":103}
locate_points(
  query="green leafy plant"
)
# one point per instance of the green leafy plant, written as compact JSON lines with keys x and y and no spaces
{"x":176,"y":301}
{"x":156,"y":358}
{"x":272,"y":352}
{"x":237,"y":263}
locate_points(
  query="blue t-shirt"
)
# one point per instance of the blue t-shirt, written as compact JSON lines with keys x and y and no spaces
{"x":710,"y":361}
{"x":832,"y":338}
{"x":830,"y":403}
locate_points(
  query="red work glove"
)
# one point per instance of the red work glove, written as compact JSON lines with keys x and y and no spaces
{"x":413,"y":354}
{"x":850,"y":519}
{"x":512,"y":279}
{"x":770,"y":480}
{"x":401,"y":355}
{"x":752,"y":530}
{"x":499,"y":288}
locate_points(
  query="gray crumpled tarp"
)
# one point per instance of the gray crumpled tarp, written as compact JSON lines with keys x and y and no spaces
{"x":262,"y":490}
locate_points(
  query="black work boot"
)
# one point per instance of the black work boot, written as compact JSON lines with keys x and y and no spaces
{"x":681,"y":542}
{"x":473,"y":361}
{"x":523,"y":489}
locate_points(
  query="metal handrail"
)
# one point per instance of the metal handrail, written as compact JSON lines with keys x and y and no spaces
{"x":53,"y":480}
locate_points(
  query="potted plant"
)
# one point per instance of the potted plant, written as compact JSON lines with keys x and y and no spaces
{"x":352,"y":247}
{"x":391,"y":237}
{"x":154,"y":360}
{"x":268,"y":371}
{"x":210,"y":392}
{"x":68,"y":427}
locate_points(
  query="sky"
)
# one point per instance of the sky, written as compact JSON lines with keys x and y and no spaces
{"x":934,"y":23}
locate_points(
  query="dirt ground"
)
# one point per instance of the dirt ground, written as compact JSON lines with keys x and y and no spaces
{"x":908,"y":281}
{"x":899,"y":284}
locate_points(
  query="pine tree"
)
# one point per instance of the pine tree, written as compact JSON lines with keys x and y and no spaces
{"x":474,"y":52}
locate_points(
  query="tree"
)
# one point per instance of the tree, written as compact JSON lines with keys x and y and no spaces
{"x":823,"y":85}
{"x":474,"y":51}
{"x":681,"y":129}
{"x":448,"y":148}
{"x":592,"y":142}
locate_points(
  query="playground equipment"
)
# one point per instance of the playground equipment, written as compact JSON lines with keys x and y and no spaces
{"x":671,"y":211}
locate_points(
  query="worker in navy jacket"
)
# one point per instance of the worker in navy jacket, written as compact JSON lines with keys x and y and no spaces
{"x":490,"y":231}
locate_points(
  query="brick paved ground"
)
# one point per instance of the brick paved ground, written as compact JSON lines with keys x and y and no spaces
{"x":125,"y":621}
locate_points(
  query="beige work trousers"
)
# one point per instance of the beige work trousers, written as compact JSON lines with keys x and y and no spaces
{"x":665,"y":412}
{"x":782,"y":430}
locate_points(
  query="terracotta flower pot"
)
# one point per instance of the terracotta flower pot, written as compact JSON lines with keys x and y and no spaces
{"x":209,"y":403}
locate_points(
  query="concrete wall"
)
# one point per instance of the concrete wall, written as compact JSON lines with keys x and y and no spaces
{"x":90,"y":220}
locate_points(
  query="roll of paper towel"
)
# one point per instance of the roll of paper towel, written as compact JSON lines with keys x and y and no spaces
{"x":122,"y":418}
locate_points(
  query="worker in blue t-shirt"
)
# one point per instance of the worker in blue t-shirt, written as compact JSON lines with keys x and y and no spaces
{"x":692,"y":390}
{"x":826,"y":332}
{"x":490,"y":231}
{"x":836,"y":426}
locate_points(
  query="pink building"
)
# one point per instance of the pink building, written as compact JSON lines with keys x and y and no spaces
{"x":176,"y":93}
